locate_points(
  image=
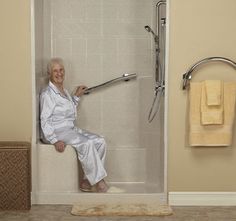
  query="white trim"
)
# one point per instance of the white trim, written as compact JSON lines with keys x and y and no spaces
{"x":33,"y":139}
{"x":72,"y":197}
{"x":166,"y":97}
{"x":202,"y":198}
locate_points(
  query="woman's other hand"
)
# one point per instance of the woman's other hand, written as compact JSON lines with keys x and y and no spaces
{"x":60,"y":146}
{"x":80,"y":90}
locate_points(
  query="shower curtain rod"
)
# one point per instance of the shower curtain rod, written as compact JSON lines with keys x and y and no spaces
{"x":187,"y":76}
{"x":124,"y":77}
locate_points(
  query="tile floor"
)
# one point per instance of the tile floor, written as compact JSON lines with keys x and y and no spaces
{"x":62,"y":213}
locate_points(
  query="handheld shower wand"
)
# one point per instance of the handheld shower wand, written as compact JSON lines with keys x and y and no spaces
{"x":153,"y":33}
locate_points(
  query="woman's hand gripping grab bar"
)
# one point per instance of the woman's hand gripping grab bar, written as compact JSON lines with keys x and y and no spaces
{"x":124,"y":77}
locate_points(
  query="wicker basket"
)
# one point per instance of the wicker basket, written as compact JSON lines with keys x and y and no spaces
{"x":15,"y":176}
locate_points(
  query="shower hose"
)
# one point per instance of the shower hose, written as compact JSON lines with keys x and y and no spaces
{"x":156,"y":104}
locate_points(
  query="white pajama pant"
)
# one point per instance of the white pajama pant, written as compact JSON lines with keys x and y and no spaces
{"x":91,"y":151}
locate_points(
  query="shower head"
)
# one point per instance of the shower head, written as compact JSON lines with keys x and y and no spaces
{"x":147,"y":28}
{"x":153,"y":33}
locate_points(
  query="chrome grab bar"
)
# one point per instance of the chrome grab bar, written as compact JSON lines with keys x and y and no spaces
{"x":124,"y":77}
{"x":187,"y":76}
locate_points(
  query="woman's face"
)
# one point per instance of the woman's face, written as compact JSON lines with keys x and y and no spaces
{"x":57,"y":74}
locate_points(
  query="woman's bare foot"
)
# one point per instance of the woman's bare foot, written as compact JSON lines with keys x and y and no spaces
{"x":101,"y":186}
{"x":85,"y":186}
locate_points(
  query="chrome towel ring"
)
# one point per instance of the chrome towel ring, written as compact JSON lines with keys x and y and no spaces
{"x":187,"y":76}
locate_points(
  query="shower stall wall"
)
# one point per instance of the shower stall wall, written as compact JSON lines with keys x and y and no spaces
{"x":100,"y":40}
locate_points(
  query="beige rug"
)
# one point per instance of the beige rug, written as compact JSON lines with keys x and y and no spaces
{"x":121,"y":210}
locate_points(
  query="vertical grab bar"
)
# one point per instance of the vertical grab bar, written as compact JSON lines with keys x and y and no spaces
{"x":160,"y":63}
{"x":160,"y":68}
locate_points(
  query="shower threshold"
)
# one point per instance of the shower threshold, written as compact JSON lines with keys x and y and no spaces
{"x":136,"y":187}
{"x":133,"y":193}
{"x":82,"y":197}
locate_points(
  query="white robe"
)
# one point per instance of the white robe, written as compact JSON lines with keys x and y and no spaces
{"x":57,"y":117}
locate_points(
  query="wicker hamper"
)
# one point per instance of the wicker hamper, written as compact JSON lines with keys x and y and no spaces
{"x":15,"y":176}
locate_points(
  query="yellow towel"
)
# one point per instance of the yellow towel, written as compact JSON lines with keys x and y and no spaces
{"x":212,"y":102}
{"x":211,"y":135}
{"x":213,"y":92}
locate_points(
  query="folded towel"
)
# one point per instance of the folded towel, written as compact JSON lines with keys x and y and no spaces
{"x":211,"y":135}
{"x":211,"y":102}
{"x":213,"y":92}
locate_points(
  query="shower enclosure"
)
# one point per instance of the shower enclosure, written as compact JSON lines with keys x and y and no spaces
{"x":100,"y":40}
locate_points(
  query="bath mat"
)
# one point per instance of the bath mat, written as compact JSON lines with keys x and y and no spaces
{"x":139,"y":209}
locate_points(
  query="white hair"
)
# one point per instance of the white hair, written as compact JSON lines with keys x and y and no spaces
{"x":52,"y":62}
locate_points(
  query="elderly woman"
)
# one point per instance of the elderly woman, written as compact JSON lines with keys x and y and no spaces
{"x":58,"y":114}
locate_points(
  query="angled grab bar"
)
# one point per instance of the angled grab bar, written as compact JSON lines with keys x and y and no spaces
{"x":124,"y":77}
{"x":187,"y":76}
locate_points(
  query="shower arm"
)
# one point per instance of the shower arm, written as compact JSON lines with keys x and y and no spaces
{"x":124,"y":77}
{"x":187,"y":76}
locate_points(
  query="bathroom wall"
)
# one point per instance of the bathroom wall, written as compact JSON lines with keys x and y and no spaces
{"x":15,"y":83}
{"x":101,"y":40}
{"x":198,"y":29}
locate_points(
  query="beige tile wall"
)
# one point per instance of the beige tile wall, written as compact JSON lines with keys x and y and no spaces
{"x":100,"y":40}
